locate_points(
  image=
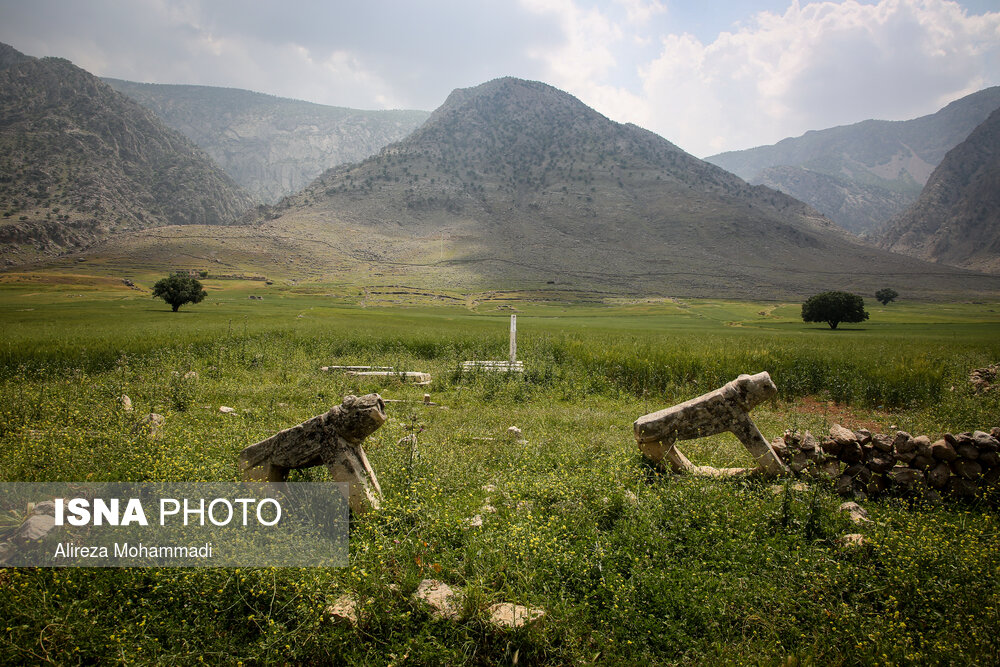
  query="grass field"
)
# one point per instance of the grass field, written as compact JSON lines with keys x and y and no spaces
{"x":629,"y":565}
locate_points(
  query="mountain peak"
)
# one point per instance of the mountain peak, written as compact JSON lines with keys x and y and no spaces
{"x":10,"y":56}
{"x":509,"y":96}
{"x":515,"y":182}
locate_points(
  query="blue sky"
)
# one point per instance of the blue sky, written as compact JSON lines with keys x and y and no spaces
{"x":709,"y":75}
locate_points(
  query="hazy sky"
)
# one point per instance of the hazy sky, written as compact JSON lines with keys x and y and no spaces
{"x":708,"y":75}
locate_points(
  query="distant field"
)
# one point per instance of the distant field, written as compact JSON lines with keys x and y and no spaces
{"x":690,"y":571}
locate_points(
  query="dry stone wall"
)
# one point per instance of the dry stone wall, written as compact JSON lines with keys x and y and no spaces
{"x":870,"y":464}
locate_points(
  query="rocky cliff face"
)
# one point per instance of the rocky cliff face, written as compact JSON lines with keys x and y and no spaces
{"x":851,"y":204}
{"x":862,"y":175}
{"x":269,"y":145}
{"x":956,"y":220}
{"x":78,"y":161}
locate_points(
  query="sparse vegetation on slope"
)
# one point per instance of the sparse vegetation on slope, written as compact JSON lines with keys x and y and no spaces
{"x":79,"y":161}
{"x":515,"y":183}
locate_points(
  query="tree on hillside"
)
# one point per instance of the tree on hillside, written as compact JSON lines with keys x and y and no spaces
{"x":834,"y":308}
{"x":885,"y":295}
{"x":179,"y":288}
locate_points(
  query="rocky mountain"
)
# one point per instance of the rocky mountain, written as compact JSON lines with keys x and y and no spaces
{"x":270,"y":145}
{"x":956,"y":220}
{"x":79,"y":161}
{"x":517,"y":183}
{"x":851,"y":204}
{"x":11,"y":56}
{"x":862,"y":175}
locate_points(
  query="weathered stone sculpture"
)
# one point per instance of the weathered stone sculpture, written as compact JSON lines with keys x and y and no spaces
{"x":332,"y":439}
{"x":725,"y":409}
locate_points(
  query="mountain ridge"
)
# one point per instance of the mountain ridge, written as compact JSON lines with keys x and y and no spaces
{"x":516,"y":182}
{"x":879,"y":167}
{"x":80,"y":161}
{"x":272,"y":146}
{"x":956,"y":220}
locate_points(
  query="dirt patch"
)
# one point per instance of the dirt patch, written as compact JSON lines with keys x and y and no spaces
{"x":836,"y":413}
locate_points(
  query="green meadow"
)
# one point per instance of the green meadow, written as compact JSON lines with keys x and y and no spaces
{"x":630,"y":565}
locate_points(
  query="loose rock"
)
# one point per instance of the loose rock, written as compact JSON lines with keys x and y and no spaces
{"x":906,"y":477}
{"x":851,"y":541}
{"x":842,"y":436}
{"x":152,"y":424}
{"x":855,"y":512}
{"x":967,"y":469}
{"x":443,"y":601}
{"x":344,"y":609}
{"x":938,"y":475}
{"x":509,"y":615}
{"x":943,"y":450}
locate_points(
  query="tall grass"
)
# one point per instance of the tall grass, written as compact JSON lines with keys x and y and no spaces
{"x":631,"y":566}
{"x":891,"y":372}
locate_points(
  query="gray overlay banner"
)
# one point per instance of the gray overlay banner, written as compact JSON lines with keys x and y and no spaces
{"x":213,"y":524}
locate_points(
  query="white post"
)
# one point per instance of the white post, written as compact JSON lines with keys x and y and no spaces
{"x":513,"y":338}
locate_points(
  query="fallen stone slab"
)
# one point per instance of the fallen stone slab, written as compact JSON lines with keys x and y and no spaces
{"x":330,"y":369}
{"x":778,"y":489}
{"x":851,"y":541}
{"x":719,"y":473}
{"x":855,"y":512}
{"x":152,"y":424}
{"x":494,"y":366}
{"x":36,"y":527}
{"x":416,"y":377}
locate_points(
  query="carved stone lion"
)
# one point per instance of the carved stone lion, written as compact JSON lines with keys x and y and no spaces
{"x":332,"y":439}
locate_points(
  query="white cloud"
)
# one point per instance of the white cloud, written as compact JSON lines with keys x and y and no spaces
{"x":590,"y":54}
{"x":817,"y":66}
{"x":814,"y":66}
{"x":808,"y":65}
{"x":641,"y":11}
{"x":586,"y":52}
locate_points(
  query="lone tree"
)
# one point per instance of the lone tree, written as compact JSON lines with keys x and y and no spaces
{"x":179,"y":288}
{"x":885,"y":295}
{"x":834,"y":308}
